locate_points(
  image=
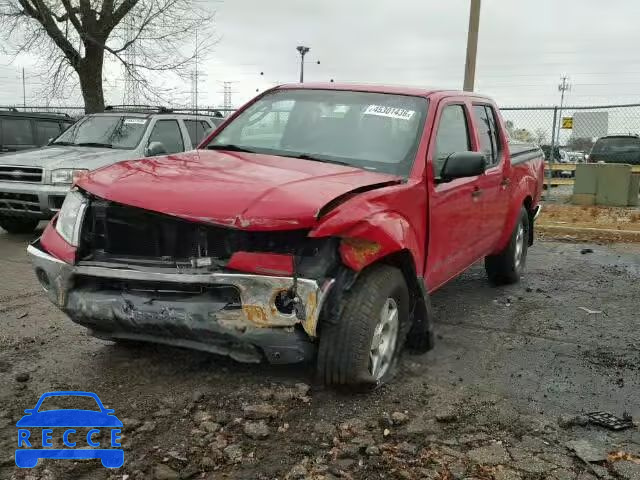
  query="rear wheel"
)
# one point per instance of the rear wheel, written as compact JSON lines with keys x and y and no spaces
{"x":508,"y":266}
{"x":19,"y":225}
{"x":361,"y":348}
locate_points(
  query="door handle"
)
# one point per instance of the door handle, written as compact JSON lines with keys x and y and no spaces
{"x":476,"y":193}
{"x":505,"y":182}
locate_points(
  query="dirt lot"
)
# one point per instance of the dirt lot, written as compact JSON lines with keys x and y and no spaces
{"x":590,"y":223}
{"x":484,"y":404}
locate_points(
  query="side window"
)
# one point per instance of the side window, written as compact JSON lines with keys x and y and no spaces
{"x":196,"y":131}
{"x":46,"y":129}
{"x":168,"y":133}
{"x":452,"y":136}
{"x":487,"y":132}
{"x":493,"y":122}
{"x":17,"y":131}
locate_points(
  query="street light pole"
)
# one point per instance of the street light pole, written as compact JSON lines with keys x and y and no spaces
{"x":472,"y":46}
{"x":303,"y":51}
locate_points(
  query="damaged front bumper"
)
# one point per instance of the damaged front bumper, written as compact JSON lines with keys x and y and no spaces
{"x":225,"y":313}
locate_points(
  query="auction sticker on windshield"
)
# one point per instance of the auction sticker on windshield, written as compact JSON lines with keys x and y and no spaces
{"x":391,"y":112}
{"x":134,"y":121}
{"x":69,"y":433}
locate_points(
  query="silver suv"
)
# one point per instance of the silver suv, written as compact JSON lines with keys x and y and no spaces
{"x":33,"y":183}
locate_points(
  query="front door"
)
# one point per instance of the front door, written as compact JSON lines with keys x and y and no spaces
{"x":455,"y":207}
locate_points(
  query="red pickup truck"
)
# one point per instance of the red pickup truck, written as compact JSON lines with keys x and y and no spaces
{"x":314,"y":223}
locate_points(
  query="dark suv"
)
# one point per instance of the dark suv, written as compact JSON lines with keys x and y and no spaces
{"x":23,"y":130}
{"x":616,"y":149}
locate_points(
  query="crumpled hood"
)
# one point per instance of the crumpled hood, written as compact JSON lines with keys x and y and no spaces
{"x":61,"y":156}
{"x":243,"y":190}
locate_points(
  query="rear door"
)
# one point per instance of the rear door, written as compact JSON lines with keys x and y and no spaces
{"x":494,"y":184}
{"x":455,"y":210}
{"x":196,"y":130}
{"x":17,"y":134}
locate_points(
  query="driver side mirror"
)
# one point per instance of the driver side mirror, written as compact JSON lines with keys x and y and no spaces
{"x":463,"y":164}
{"x":155,"y":148}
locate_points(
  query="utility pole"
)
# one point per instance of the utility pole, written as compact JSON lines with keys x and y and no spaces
{"x":227,"y":91}
{"x":562,"y":87}
{"x":24,"y":91}
{"x":303,"y":51}
{"x":196,"y":75}
{"x":472,"y":46}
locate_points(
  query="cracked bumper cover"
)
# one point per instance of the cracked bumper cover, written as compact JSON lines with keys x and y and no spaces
{"x":247,"y":333}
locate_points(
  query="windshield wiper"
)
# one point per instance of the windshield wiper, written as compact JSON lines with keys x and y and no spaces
{"x":231,"y":147}
{"x":94,"y":144}
{"x":306,"y":156}
{"x":63,"y":143}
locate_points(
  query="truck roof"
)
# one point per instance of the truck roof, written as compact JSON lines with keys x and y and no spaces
{"x":373,"y":88}
{"x":131,"y":113}
{"x":45,"y":115}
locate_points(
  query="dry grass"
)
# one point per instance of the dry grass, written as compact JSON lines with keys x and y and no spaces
{"x":590,"y":223}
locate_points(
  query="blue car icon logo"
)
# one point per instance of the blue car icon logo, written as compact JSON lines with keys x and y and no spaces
{"x":70,"y":426}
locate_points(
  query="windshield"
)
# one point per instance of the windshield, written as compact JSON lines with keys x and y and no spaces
{"x":109,"y":131}
{"x":372,"y":131}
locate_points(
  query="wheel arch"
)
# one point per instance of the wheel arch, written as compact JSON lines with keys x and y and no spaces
{"x":403,"y":260}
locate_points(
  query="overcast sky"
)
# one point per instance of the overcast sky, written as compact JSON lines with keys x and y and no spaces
{"x":524,"y":48}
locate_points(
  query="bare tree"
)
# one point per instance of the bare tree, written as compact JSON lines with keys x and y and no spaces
{"x":144,"y":36}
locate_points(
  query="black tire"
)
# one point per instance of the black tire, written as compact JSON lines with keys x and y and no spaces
{"x":19,"y":225}
{"x":504,"y":268}
{"x":345,"y":342}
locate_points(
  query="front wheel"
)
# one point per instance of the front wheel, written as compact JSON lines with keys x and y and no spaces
{"x":19,"y":225}
{"x":507,"y":266}
{"x":361,"y":347}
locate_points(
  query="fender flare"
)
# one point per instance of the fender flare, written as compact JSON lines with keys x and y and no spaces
{"x":521,"y":198}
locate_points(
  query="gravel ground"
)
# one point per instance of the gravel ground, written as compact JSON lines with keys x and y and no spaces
{"x":499,"y":397}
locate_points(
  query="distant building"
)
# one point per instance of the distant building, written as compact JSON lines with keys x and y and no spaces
{"x":590,"y":124}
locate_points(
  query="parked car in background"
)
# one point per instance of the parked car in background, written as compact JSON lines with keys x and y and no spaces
{"x":33,"y":184}
{"x":616,"y":149}
{"x":25,"y":130}
{"x":314,"y":224}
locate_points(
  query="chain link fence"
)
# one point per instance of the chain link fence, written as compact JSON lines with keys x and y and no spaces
{"x":567,"y":134}
{"x":572,"y":129}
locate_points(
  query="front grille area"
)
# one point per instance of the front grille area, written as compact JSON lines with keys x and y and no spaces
{"x":19,"y":202}
{"x":112,"y":231}
{"x":13,"y":173}
{"x":161,"y":290}
{"x":56,"y":201}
